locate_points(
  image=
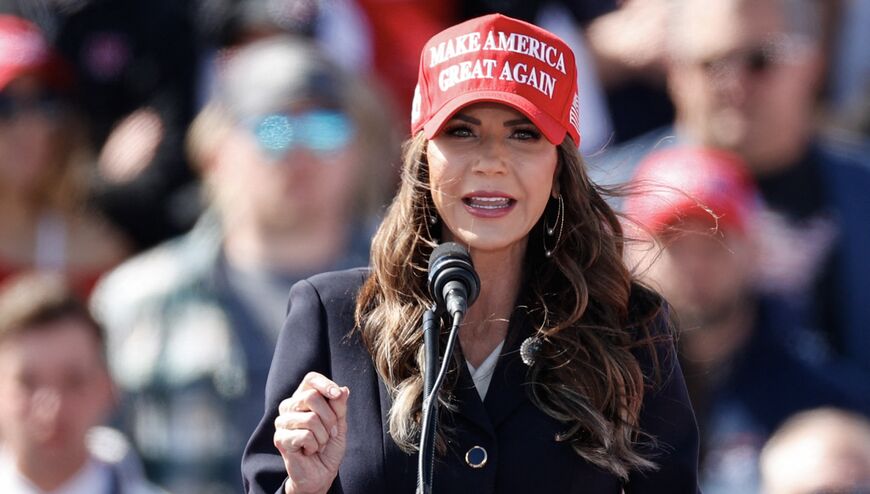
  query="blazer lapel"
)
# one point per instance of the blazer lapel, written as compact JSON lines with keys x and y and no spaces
{"x":401,"y":468}
{"x":506,"y":392}
{"x":470,"y":407}
{"x":507,"y":387}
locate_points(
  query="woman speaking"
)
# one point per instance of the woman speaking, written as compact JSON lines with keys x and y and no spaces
{"x":565,"y":379}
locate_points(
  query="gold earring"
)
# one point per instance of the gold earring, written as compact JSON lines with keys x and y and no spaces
{"x":557,"y":226}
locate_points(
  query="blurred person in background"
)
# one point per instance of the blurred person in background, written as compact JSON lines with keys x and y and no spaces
{"x":823,"y":451}
{"x":701,"y":208}
{"x":849,"y":78}
{"x":54,"y":389}
{"x":45,"y":220}
{"x":135,"y":64}
{"x":294,"y":180}
{"x":744,"y":76}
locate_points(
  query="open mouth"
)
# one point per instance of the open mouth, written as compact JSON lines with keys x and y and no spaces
{"x":489,"y":203}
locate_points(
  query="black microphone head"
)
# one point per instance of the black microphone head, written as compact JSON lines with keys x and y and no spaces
{"x":448,"y":249}
{"x":451,"y":262}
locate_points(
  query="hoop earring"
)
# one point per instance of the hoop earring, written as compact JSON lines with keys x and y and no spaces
{"x":557,"y":226}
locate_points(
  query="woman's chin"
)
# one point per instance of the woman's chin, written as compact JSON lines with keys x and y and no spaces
{"x":483,"y":243}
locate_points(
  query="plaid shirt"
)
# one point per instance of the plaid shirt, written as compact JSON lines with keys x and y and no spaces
{"x":191,"y":358}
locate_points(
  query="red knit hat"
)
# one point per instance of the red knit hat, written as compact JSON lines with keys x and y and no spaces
{"x":24,"y":51}
{"x":685,"y":182}
{"x":499,"y":59}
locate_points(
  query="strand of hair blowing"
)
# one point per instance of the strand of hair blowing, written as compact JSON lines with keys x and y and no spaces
{"x":586,"y":376}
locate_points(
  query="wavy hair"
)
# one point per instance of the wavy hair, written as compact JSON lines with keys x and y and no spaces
{"x":587,"y":310}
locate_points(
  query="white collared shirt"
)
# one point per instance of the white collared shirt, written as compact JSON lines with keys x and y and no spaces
{"x":483,"y":374}
{"x":93,"y":478}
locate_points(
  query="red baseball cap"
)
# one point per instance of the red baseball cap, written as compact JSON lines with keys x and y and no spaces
{"x":688,"y":182}
{"x":24,"y":51}
{"x":499,"y":59}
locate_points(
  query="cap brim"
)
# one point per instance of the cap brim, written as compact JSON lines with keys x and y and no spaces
{"x":550,"y":127}
{"x":664,"y":214}
{"x":53,"y":75}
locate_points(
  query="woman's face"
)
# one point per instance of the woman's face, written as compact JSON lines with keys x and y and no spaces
{"x":491,"y":173}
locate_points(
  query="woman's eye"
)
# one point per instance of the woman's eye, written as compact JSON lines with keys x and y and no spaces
{"x":526,"y":134}
{"x":459,"y":131}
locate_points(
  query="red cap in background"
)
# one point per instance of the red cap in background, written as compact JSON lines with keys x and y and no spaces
{"x":24,"y":51}
{"x":499,"y":59}
{"x":675,"y":184}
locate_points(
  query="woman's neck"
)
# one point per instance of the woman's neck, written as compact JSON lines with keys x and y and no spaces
{"x":486,"y":323}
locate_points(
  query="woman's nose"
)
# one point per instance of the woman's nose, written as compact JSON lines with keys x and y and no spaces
{"x":492,"y":156}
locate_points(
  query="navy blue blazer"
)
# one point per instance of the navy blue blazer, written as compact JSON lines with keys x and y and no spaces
{"x":523,"y":455}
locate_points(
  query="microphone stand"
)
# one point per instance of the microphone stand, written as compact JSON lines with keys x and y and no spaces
{"x":431,"y":329}
{"x":426,"y":454}
{"x":431,"y":385}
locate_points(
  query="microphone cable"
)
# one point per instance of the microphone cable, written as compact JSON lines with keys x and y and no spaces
{"x":427,"y":436}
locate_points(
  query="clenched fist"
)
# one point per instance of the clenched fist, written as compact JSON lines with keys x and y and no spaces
{"x":311,"y":434}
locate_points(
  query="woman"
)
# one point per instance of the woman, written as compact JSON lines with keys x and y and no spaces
{"x":44,"y":223}
{"x":600,"y":405}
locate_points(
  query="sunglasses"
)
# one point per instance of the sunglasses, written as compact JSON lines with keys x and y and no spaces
{"x":320,"y":131}
{"x":760,"y":59}
{"x":44,"y":103}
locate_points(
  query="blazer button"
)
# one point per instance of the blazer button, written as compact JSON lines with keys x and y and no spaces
{"x":476,"y":457}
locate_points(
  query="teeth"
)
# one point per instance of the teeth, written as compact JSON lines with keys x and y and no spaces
{"x":489,"y":202}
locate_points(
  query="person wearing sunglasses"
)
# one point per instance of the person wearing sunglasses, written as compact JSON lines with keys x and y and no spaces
{"x":45,"y":222}
{"x":293,"y":154}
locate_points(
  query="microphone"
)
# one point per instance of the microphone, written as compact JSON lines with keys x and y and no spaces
{"x":452,"y":280}
{"x":454,"y":285}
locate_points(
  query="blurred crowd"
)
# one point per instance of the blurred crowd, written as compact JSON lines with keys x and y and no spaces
{"x":169,"y":169}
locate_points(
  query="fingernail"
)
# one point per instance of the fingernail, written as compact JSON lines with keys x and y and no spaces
{"x":334,"y":431}
{"x":334,"y":392}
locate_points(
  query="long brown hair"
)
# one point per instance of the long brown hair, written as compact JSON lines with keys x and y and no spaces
{"x":588,"y":311}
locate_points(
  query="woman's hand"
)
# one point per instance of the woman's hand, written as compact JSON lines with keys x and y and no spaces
{"x":311,"y":434}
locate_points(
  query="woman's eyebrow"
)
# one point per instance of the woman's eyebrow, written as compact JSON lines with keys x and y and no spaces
{"x":509,"y":123}
{"x":466,"y":118}
{"x":517,"y":121}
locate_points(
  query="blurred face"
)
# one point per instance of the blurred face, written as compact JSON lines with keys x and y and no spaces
{"x":741,"y":82}
{"x":29,"y":127}
{"x":289,"y":170}
{"x":491,"y":173}
{"x":704,"y":275}
{"x":825,"y":458}
{"x":53,"y":388}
